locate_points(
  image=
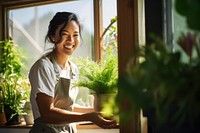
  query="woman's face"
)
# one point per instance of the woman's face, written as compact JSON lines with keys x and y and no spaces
{"x":70,"y":38}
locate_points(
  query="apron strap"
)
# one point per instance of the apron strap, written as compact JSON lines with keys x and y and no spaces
{"x":56,"y":69}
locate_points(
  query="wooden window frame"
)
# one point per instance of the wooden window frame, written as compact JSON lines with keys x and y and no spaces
{"x":128,"y":41}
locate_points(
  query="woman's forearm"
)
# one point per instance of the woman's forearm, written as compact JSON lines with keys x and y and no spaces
{"x":54,"y":115}
{"x":82,"y":109}
{"x":60,"y":116}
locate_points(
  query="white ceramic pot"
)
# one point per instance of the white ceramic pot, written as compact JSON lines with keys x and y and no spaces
{"x":28,"y":116}
{"x":29,"y":119}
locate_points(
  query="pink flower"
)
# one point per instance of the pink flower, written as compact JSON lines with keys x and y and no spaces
{"x":116,"y":37}
{"x":187,"y":42}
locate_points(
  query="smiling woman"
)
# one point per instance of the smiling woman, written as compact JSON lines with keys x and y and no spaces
{"x":68,"y":33}
{"x":51,"y":77}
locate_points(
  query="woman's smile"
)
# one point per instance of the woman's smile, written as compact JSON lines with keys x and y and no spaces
{"x":69,"y":46}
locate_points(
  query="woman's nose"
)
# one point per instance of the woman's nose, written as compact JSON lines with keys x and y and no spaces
{"x":70,"y":38}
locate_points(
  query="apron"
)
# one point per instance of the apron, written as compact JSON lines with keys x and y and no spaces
{"x":63,"y":100}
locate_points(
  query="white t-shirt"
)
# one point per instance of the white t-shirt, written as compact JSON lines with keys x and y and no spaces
{"x":43,"y":79}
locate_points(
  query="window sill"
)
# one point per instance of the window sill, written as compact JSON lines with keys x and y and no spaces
{"x":79,"y":126}
{"x":16,"y":126}
{"x":22,"y":128}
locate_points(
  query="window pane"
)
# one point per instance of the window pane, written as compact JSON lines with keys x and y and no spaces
{"x":109,"y":14}
{"x":28,"y":28}
{"x":180,"y":26}
{"x":109,"y":11}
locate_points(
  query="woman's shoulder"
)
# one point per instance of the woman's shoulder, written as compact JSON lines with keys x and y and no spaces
{"x":43,"y":62}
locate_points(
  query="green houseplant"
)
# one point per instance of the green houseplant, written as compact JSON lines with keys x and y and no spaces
{"x":99,"y":77}
{"x":166,"y":87}
{"x":10,"y":71}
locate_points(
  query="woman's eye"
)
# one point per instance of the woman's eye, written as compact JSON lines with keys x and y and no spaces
{"x":66,"y":35}
{"x":76,"y":35}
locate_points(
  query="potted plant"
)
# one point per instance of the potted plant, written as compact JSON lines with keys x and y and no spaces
{"x":10,"y":68}
{"x":99,"y":77}
{"x":27,"y":108}
{"x":12,"y":99}
{"x":166,"y":87}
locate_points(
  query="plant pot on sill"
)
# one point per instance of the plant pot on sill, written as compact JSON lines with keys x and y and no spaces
{"x":28,"y":116}
{"x":12,"y":117}
{"x":28,"y":119}
{"x":101,"y":99}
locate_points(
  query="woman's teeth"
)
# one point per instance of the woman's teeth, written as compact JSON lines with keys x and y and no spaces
{"x":71,"y":46}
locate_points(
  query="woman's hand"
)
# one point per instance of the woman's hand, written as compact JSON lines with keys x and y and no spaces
{"x":97,"y":119}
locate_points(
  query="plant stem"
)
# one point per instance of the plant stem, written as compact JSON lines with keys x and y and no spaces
{"x":107,"y":28}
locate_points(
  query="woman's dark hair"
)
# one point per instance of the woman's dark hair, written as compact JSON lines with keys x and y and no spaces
{"x":58,"y":19}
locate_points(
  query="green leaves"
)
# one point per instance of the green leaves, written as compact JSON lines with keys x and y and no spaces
{"x":100,"y":78}
{"x":10,"y":72}
{"x":10,"y":61}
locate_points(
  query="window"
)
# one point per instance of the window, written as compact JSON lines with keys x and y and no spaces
{"x":179,"y":27}
{"x":109,"y":16}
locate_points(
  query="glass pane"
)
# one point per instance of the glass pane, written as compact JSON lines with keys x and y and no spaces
{"x":109,"y":24}
{"x":109,"y":11}
{"x":179,"y":27}
{"x":28,"y":28}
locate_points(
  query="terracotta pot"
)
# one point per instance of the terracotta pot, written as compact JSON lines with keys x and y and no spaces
{"x":2,"y":118}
